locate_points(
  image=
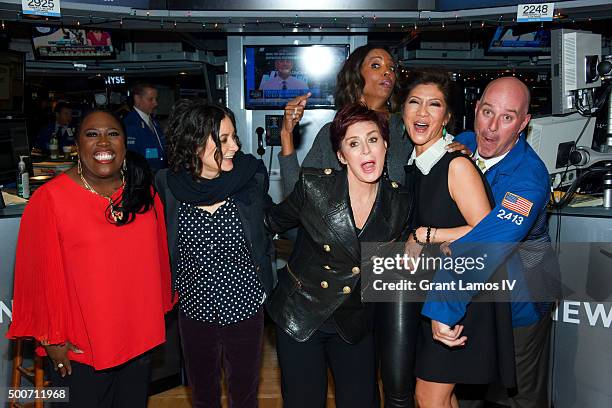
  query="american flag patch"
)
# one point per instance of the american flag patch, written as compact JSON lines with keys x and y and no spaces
{"x":517,"y":204}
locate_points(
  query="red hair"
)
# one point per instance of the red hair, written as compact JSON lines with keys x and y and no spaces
{"x":355,"y":113}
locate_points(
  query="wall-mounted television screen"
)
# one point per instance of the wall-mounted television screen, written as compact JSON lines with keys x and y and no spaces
{"x":274,"y":74}
{"x":519,"y":40}
{"x":62,"y":42}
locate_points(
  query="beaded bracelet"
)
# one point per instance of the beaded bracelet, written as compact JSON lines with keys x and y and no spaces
{"x":428,"y":238}
{"x":414,"y":235}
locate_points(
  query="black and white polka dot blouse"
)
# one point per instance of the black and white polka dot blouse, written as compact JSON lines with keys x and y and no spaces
{"x":217,"y":281}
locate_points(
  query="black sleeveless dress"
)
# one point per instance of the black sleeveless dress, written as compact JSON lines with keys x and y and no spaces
{"x":488,"y":356}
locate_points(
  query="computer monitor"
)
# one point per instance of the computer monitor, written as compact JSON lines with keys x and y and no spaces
{"x":553,"y":137}
{"x":274,"y":74}
{"x":520,"y":40}
{"x":67,"y":42}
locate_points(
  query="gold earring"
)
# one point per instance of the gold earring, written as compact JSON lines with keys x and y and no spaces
{"x":79,"y":168}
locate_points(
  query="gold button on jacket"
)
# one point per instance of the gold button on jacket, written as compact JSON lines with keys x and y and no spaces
{"x":306,"y":297}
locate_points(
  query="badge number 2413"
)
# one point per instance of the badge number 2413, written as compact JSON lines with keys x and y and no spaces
{"x":509,"y":215}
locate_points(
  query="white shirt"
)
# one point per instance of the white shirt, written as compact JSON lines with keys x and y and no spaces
{"x":426,"y":160}
{"x":489,"y":162}
{"x":276,"y":83}
{"x":145,"y":117}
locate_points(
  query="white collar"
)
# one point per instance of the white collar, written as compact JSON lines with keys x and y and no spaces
{"x":492,"y":161}
{"x":426,"y":160}
{"x":145,"y":116}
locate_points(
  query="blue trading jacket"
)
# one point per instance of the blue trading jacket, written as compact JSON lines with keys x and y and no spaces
{"x":521,"y":176}
{"x":141,"y":139}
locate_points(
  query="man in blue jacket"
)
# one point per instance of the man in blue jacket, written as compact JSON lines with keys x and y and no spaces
{"x":521,"y":187}
{"x":144,"y":133}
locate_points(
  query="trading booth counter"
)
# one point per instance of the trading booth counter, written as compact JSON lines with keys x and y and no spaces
{"x":582,"y":336}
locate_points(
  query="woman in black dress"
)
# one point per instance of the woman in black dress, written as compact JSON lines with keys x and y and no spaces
{"x":452,"y":197}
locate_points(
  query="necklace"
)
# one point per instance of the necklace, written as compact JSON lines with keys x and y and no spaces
{"x":115,"y":214}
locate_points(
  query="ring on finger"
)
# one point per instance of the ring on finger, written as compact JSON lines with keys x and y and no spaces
{"x":60,"y":365}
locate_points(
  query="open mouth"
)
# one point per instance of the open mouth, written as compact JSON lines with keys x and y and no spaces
{"x":368,"y":166}
{"x":104,"y":157}
{"x":421,"y":126}
{"x":489,"y":139}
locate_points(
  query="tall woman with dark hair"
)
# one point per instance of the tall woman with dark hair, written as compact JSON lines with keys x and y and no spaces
{"x":92,"y":275}
{"x":317,"y":305}
{"x":453,"y":196}
{"x":368,"y":77}
{"x":214,"y":198}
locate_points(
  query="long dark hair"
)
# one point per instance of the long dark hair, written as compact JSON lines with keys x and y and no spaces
{"x":138,"y":193}
{"x":191,"y":123}
{"x":350,"y":83}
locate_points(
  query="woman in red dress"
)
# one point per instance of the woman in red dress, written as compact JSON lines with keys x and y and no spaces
{"x":98,"y":38}
{"x":92,"y":277}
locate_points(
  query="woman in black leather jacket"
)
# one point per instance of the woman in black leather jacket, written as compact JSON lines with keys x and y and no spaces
{"x":317,"y":307}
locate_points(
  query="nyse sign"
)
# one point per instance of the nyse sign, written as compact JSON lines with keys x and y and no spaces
{"x":115,"y":80}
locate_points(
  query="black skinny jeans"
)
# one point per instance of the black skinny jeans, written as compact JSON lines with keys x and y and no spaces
{"x":397,"y":327}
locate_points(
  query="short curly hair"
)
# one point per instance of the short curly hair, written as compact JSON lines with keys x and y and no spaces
{"x":350,"y":83}
{"x":355,"y":113}
{"x":191,"y":123}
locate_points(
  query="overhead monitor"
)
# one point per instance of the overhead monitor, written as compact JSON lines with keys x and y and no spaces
{"x":274,"y":74}
{"x":520,"y":40}
{"x":65,"y":42}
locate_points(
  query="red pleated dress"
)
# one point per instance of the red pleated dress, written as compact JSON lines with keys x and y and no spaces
{"x":81,"y":279}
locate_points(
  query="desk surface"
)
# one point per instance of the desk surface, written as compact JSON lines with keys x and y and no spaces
{"x":12,"y":211}
{"x":590,"y":212}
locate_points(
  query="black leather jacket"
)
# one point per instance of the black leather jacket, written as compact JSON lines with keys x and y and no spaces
{"x":323,"y":273}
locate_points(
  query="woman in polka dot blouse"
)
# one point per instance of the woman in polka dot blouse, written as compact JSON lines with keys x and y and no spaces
{"x":215,"y":197}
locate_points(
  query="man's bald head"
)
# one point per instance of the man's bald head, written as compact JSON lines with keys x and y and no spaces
{"x":510,"y":86}
{"x":501,"y":115}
